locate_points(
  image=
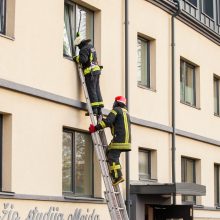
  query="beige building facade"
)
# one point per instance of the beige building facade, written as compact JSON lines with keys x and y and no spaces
{"x":48,"y":164}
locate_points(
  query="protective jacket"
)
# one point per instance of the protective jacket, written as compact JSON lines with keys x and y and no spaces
{"x":88,"y":58}
{"x":119,"y":122}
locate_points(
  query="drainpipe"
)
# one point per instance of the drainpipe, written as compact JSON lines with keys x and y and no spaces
{"x":173,"y":97}
{"x":128,"y":202}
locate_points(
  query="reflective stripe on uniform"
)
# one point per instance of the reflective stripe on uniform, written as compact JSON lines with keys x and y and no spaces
{"x":115,"y":168}
{"x":126,"y":125}
{"x":77,"y":59}
{"x":120,"y":146}
{"x":102,"y":123}
{"x":114,"y":112}
{"x":97,"y":104}
{"x":89,"y":69}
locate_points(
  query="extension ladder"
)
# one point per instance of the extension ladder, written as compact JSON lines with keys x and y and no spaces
{"x":113,"y":195}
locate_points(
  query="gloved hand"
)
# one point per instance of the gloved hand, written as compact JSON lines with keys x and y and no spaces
{"x":92,"y":128}
{"x":76,"y":59}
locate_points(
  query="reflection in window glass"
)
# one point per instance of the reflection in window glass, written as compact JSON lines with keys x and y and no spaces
{"x":187,"y":83}
{"x":143,"y":62}
{"x":77,"y":163}
{"x":188,"y":175}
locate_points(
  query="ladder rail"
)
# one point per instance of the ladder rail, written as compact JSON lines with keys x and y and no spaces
{"x":115,"y":201}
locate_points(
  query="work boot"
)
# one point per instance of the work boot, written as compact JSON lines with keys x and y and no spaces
{"x":115,"y":182}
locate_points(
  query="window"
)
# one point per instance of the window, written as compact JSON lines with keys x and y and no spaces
{"x":1,"y":140}
{"x":2,"y":16}
{"x":218,"y":11}
{"x":188,"y":174}
{"x":216,"y":96}
{"x":208,"y":7}
{"x":77,"y":163}
{"x":217,"y":184}
{"x":73,"y":14}
{"x":144,"y":164}
{"x":143,"y":62}
{"x":187,"y":83}
{"x":193,"y":2}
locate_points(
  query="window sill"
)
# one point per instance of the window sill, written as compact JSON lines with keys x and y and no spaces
{"x":216,"y":115}
{"x":7,"y":37}
{"x":84,"y":199}
{"x":185,"y":103}
{"x":147,"y":88}
{"x":67,"y":57}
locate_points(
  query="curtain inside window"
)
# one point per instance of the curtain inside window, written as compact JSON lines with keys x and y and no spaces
{"x":144,"y":169}
{"x":69,"y":24}
{"x":189,"y":85}
{"x":86,"y":24}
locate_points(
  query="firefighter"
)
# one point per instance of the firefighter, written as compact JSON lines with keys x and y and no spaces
{"x":119,"y":122}
{"x":91,"y":70}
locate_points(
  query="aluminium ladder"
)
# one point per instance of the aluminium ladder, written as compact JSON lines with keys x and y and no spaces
{"x":113,"y":194}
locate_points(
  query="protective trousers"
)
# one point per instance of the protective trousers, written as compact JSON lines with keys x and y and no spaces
{"x":114,"y":164}
{"x":92,"y":83}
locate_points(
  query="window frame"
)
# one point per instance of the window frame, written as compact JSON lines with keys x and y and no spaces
{"x":72,"y":192}
{"x":3,"y":24}
{"x":193,"y":67}
{"x":217,"y":81}
{"x":148,"y":60}
{"x":184,"y":176}
{"x":73,"y":35}
{"x":143,"y":150}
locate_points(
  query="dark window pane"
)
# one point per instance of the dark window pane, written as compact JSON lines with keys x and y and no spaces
{"x":194,"y":2}
{"x":208,"y":7}
{"x":217,"y":184}
{"x":2,"y":16}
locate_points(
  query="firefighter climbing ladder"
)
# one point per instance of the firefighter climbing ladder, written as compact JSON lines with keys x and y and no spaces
{"x":113,"y":194}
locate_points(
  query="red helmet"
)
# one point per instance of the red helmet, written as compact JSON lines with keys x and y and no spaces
{"x":121,"y":99}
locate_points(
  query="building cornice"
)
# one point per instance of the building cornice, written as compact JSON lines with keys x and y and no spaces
{"x":27,"y":90}
{"x":190,"y":21}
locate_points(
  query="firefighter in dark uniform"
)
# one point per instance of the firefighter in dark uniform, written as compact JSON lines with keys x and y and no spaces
{"x":119,"y":122}
{"x":91,"y":70}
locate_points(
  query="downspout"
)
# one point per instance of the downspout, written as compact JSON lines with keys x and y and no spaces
{"x":173,"y":97}
{"x":127,"y":97}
